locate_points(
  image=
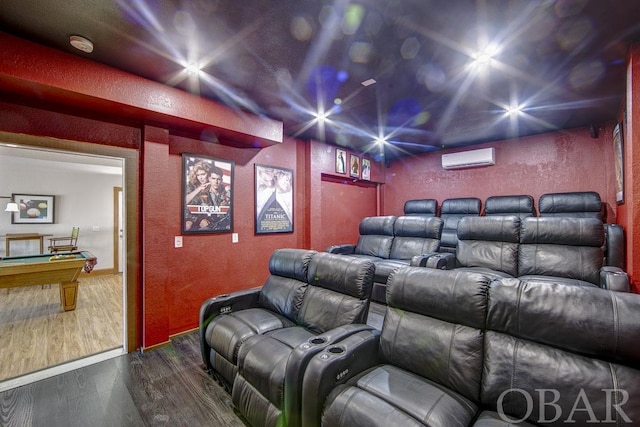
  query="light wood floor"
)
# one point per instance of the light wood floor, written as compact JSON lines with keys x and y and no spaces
{"x":35,"y":333}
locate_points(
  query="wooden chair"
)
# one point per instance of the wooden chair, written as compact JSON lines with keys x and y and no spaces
{"x":65,"y":244}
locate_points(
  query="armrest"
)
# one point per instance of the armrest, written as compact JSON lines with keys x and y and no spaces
{"x":223,"y":304}
{"x":341,"y":249}
{"x":439,"y":260}
{"x":333,"y":366}
{"x":298,"y":361}
{"x":614,"y":279}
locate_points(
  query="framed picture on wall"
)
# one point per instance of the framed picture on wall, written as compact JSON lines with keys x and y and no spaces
{"x":618,"y":154}
{"x":207,"y":195}
{"x":33,"y":209}
{"x":366,"y":169}
{"x":341,"y":161}
{"x":274,"y":200}
{"x":354,"y":166}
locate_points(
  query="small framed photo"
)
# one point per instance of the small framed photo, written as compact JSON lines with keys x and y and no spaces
{"x":33,"y":209}
{"x":341,"y":161}
{"x":274,"y":200}
{"x":207,"y":195}
{"x":354,"y":166}
{"x":618,"y":156}
{"x":366,"y":169}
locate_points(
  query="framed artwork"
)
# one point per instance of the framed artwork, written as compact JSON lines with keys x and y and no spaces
{"x":366,"y":169}
{"x":341,"y":161}
{"x":33,"y":209}
{"x":354,"y":166}
{"x":618,"y":154}
{"x":274,"y":200}
{"x":207,"y":195}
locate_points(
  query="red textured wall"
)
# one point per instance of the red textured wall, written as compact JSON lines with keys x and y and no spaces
{"x":629,"y":211}
{"x":548,"y":163}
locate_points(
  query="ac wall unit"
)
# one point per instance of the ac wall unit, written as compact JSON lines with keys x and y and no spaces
{"x":469,"y":159}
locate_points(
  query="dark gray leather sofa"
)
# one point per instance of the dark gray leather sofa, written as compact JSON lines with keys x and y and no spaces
{"x":460,"y":349}
{"x":249,"y":338}
{"x":536,"y":249}
{"x":412,"y":238}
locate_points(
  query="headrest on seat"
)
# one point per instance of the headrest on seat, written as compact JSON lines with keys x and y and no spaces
{"x":448,"y":295}
{"x":590,"y":321}
{"x":347,"y":275}
{"x":426,"y":207}
{"x":377,"y":225}
{"x":562,"y":231}
{"x":585,"y":204}
{"x":509,"y":205}
{"x":418,"y":226}
{"x":462,"y":205}
{"x":292,"y":263}
{"x":490,"y":228}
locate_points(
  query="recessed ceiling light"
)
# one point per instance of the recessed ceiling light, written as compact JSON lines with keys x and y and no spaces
{"x":368,"y":82}
{"x":81,"y":43}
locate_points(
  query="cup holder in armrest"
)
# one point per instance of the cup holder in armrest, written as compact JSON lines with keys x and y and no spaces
{"x":335,"y":350}
{"x":317,"y":340}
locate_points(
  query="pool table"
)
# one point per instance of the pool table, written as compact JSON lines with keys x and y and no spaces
{"x":62,"y":268}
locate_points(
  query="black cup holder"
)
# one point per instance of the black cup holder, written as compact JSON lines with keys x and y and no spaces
{"x":335,"y":350}
{"x":317,"y":341}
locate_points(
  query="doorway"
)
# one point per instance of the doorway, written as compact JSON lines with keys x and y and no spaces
{"x":50,"y":327}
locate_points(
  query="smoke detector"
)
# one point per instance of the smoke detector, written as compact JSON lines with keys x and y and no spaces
{"x":81,"y":43}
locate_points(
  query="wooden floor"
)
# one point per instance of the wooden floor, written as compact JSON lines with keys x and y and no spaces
{"x":164,"y":387}
{"x":35,"y":333}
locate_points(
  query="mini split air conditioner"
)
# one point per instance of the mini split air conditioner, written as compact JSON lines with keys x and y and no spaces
{"x":469,"y":159}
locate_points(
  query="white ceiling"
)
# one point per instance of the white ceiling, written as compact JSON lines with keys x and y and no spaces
{"x":58,"y":160}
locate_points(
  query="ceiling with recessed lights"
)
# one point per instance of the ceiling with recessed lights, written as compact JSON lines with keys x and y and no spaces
{"x":411,"y":75}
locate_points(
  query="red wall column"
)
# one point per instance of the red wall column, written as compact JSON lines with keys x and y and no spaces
{"x":156,"y":243}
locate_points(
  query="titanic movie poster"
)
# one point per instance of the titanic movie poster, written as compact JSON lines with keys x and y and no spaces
{"x":274,"y":199}
{"x":207,"y":194}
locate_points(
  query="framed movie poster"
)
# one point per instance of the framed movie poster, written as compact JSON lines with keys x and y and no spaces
{"x":354,"y":166}
{"x":366,"y":169}
{"x":33,"y":209}
{"x":341,"y":161}
{"x":618,"y":154}
{"x":274,"y":199}
{"x":207,"y":195}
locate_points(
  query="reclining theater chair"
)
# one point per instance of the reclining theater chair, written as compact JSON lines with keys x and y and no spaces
{"x":374,"y":242}
{"x":425,"y":368}
{"x":451,"y":212}
{"x":307,"y":294}
{"x":587,"y":204}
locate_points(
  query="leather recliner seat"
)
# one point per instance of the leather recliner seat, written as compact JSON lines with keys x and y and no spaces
{"x":227,"y":321}
{"x":334,"y":305}
{"x":451,"y":212}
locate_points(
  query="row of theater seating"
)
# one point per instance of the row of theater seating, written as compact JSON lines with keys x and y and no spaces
{"x":456,"y":348}
{"x":584,"y":204}
{"x":573,"y":247}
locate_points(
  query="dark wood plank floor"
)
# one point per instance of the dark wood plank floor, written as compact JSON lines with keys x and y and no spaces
{"x":164,"y":387}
